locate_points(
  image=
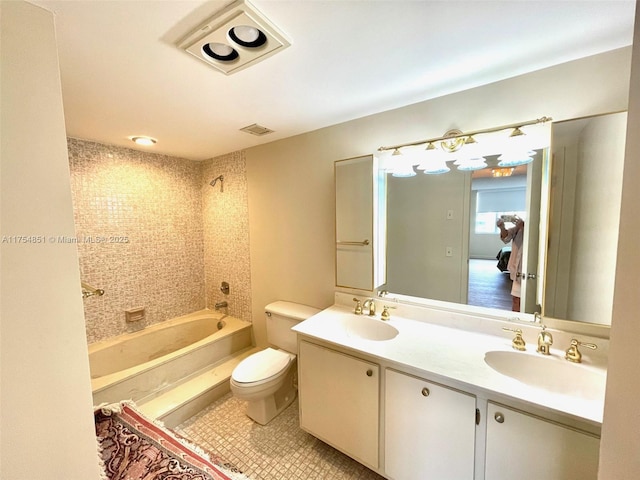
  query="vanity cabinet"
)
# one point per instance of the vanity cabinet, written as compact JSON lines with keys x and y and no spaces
{"x":429,"y":430}
{"x":339,"y":400}
{"x":404,"y":425}
{"x":360,"y":214}
{"x":527,"y":447}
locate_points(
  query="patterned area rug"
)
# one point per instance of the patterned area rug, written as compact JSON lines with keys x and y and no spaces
{"x":133,"y":447}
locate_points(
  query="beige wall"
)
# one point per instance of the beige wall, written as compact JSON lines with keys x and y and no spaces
{"x":418,"y":234}
{"x":46,"y":422}
{"x":291,"y":224}
{"x":291,"y":192}
{"x":619,"y":458}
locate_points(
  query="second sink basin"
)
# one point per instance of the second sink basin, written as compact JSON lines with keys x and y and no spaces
{"x":549,"y":373}
{"x":369,"y":328}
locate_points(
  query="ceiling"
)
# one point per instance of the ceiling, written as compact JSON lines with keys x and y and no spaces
{"x":123,"y":74}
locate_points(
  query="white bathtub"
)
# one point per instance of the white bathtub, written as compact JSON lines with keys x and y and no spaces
{"x":139,"y":365}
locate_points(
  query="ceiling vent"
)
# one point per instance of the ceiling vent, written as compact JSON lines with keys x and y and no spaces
{"x":256,"y":129}
{"x":236,"y":37}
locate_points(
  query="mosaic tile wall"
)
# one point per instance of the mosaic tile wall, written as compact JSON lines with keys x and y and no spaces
{"x":152,"y":232}
{"x":139,"y":223}
{"x":226,"y":233}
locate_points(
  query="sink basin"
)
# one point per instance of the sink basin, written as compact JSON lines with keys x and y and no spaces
{"x":369,"y":328}
{"x":549,"y":373}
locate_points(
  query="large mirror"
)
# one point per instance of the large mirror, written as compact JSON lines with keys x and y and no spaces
{"x":443,"y":242}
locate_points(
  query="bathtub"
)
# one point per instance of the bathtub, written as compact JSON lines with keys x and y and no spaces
{"x":137,"y":366}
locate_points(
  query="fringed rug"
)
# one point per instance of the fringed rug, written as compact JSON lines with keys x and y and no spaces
{"x":133,"y":447}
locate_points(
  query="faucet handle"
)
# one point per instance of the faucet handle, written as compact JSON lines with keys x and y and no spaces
{"x":385,"y":315}
{"x":518,"y":342}
{"x":573,"y":353}
{"x":358,"y":308}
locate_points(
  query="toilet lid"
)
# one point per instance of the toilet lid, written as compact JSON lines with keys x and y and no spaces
{"x":261,"y":365}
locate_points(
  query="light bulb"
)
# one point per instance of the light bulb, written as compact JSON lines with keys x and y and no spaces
{"x":472,"y":164}
{"x":246,"y":33}
{"x":220,"y":51}
{"x":145,"y":141}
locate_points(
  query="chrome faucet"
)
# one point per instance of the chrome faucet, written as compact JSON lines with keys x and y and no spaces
{"x":370,"y":305}
{"x":545,"y":340}
{"x":220,"y":305}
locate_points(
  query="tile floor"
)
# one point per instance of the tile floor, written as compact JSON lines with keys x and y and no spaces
{"x":279,"y":450}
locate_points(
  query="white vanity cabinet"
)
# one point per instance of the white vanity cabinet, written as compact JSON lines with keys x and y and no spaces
{"x":406,"y":422}
{"x":339,"y":400}
{"x":523,"y":446}
{"x":429,"y":430}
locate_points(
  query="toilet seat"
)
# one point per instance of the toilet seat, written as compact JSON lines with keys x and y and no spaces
{"x":262,"y":367}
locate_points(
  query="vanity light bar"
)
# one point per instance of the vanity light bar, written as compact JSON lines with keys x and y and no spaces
{"x":456,"y":134}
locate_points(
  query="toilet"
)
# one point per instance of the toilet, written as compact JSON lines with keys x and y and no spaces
{"x":267,"y":380}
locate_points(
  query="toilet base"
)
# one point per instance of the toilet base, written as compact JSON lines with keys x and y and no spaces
{"x":264,"y":410}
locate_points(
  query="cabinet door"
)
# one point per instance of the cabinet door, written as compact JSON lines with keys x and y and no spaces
{"x":339,"y":401}
{"x":526,"y":447}
{"x":429,"y":430}
{"x":359,"y":241}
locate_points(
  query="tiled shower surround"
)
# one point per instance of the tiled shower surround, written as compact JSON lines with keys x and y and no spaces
{"x":226,"y":233}
{"x":153,"y":233}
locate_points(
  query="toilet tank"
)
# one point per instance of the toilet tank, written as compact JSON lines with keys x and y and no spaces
{"x":281,"y":316}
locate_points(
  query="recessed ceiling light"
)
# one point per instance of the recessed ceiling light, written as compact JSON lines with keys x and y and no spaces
{"x":142,"y":140}
{"x":247,"y":36}
{"x":220,"y":51}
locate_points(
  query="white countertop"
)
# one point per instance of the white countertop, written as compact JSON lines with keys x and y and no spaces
{"x":458,"y":357}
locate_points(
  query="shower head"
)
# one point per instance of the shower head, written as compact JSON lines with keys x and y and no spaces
{"x":215,"y":180}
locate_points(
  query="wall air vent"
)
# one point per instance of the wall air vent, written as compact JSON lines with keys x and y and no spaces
{"x":256,"y":129}
{"x":236,"y":37}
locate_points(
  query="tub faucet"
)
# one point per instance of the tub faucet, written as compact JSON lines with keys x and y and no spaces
{"x":370,"y":305}
{"x":89,"y":291}
{"x":220,"y":305}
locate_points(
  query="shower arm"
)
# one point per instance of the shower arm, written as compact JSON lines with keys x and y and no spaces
{"x":89,"y":291}
{"x":215,"y":180}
